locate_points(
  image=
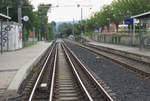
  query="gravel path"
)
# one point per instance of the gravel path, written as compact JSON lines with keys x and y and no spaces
{"x":127,"y":85}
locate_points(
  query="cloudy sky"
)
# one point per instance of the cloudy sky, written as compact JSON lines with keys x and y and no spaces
{"x":68,"y":10}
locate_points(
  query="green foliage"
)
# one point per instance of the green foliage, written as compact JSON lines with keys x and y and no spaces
{"x":78,"y":37}
{"x":65,"y":28}
{"x":115,"y":13}
{"x":52,"y":30}
{"x":29,"y":43}
{"x":36,"y":70}
{"x":77,"y":28}
{"x":91,"y":24}
{"x":12,"y":4}
{"x":43,"y":20}
{"x":37,"y":19}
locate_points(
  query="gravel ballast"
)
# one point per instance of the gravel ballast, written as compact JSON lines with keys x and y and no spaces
{"x":127,"y":85}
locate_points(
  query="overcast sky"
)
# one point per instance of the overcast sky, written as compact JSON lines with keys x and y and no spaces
{"x":68,"y":9}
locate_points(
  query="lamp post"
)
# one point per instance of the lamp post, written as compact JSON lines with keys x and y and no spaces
{"x":78,"y":5}
{"x":73,"y":27}
{"x":7,"y":25}
{"x":81,"y":19}
{"x":7,"y":12}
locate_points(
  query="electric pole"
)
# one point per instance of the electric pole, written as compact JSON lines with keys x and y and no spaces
{"x":7,"y":25}
{"x":73,"y":27}
{"x":53,"y":28}
{"x":19,"y":11}
{"x":7,"y":12}
{"x":81,"y":14}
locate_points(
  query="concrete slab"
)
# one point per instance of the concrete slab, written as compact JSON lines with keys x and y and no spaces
{"x":15,"y":65}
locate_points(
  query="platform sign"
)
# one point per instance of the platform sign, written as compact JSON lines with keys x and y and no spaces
{"x":128,"y":20}
{"x":96,"y":29}
{"x":42,"y":30}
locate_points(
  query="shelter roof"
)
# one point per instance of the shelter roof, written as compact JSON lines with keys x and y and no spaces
{"x":142,"y":15}
{"x":3,"y":17}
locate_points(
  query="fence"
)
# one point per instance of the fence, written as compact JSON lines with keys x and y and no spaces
{"x":137,"y":40}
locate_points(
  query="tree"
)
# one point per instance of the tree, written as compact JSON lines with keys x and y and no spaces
{"x":77,"y":28}
{"x":116,"y":12}
{"x":100,"y":19}
{"x":117,"y":16}
{"x":65,"y":28}
{"x":52,"y":30}
{"x":43,"y":19}
{"x":12,"y":4}
{"x":91,"y":24}
{"x":37,"y":19}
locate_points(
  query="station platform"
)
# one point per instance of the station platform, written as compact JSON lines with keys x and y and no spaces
{"x":15,"y":65}
{"x":134,"y":50}
{"x":128,"y":51}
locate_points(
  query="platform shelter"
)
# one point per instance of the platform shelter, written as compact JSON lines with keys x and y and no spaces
{"x":144,"y":18}
{"x":2,"y":39}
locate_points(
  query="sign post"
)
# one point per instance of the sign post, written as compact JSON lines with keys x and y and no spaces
{"x":130,"y":22}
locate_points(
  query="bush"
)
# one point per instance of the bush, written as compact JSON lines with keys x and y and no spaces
{"x":78,"y":37}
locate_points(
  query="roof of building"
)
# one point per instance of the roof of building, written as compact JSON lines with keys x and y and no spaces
{"x":2,"y":16}
{"x":142,"y":15}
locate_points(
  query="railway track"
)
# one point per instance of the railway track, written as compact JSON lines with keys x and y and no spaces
{"x":41,"y":88}
{"x":27,"y":85}
{"x":96,"y":91}
{"x":64,"y":78}
{"x":130,"y":63}
{"x":64,"y":85}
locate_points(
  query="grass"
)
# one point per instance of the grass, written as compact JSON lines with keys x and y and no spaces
{"x":29,"y":43}
{"x":78,"y":37}
{"x":36,"y":69}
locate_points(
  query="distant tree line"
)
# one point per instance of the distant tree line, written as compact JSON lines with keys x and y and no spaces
{"x":113,"y":13}
{"x":65,"y":28}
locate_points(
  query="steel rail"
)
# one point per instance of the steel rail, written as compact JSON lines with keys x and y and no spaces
{"x":35,"y":85}
{"x":77,"y":75}
{"x":105,"y":49}
{"x":127,"y":65}
{"x":53,"y":77}
{"x":103,"y":90}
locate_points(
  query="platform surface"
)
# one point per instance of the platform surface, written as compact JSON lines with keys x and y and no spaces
{"x":134,"y":50}
{"x":16,"y":63}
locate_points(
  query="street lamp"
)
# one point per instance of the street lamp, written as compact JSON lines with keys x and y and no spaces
{"x":78,"y":5}
{"x":73,"y":27}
